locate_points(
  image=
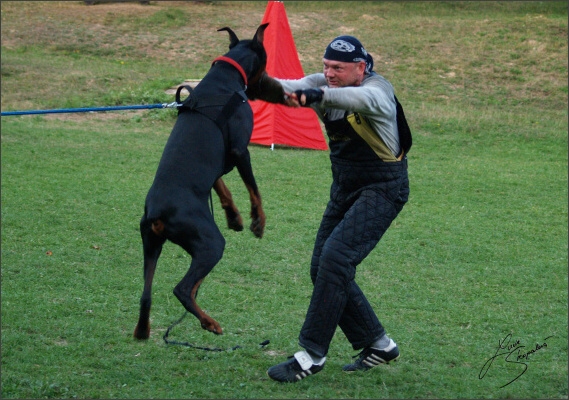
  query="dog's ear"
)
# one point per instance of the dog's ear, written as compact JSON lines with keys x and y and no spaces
{"x":232,"y":36}
{"x":260,"y":34}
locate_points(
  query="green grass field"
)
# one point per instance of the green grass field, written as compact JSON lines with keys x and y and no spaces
{"x":477,"y":258}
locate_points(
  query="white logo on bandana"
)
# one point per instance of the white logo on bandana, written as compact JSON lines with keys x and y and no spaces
{"x":343,"y":46}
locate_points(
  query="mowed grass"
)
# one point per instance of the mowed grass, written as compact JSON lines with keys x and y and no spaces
{"x":478,"y":253}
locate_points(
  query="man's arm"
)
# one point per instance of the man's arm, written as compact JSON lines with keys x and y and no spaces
{"x":374,"y":98}
{"x":309,"y":81}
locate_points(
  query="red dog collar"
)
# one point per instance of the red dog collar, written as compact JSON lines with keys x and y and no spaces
{"x":235,"y":64}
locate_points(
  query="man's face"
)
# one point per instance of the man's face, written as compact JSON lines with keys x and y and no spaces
{"x":342,"y":74}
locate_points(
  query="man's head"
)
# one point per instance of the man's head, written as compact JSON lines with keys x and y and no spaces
{"x":346,"y":62}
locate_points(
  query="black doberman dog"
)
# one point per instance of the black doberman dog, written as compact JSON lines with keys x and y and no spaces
{"x":209,"y":138}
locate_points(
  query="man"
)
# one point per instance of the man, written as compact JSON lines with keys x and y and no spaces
{"x":369,"y":188}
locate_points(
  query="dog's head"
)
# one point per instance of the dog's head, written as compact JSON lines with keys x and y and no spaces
{"x":250,"y":54}
{"x":252,"y":57}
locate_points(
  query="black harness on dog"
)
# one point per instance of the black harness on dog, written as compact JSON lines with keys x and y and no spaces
{"x":218,"y":108}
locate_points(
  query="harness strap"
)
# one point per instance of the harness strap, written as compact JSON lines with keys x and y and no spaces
{"x":230,"y":106}
{"x":218,"y":108}
{"x":234,"y":64}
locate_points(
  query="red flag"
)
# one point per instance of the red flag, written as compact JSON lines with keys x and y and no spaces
{"x":275,"y":123}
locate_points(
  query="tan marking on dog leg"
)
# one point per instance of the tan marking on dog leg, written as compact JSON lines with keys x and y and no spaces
{"x":158,"y":227}
{"x":207,"y":322}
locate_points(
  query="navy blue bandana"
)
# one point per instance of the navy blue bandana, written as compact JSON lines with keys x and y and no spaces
{"x":348,"y":49}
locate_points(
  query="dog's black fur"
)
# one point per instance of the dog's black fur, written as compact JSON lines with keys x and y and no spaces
{"x":199,"y":151}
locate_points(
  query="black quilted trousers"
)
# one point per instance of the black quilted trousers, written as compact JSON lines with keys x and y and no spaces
{"x":364,"y":199}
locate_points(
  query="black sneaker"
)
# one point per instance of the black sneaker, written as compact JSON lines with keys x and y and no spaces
{"x":370,"y":357}
{"x":296,"y":368}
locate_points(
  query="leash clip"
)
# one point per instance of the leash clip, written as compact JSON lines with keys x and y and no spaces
{"x":171,"y":105}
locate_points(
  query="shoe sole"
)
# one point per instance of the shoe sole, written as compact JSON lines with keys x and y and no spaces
{"x":367,"y":369}
{"x":299,"y":376}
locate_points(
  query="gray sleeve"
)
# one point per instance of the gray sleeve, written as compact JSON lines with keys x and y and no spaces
{"x":309,"y":81}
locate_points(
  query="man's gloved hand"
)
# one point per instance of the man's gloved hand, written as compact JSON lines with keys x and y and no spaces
{"x":308,"y":96}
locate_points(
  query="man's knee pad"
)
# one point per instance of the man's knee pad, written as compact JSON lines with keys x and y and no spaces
{"x":336,"y":266}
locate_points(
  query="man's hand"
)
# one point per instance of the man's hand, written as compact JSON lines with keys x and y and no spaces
{"x":291,"y":100}
{"x":306,"y":97}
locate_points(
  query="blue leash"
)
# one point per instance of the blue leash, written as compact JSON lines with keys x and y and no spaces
{"x":91,"y":109}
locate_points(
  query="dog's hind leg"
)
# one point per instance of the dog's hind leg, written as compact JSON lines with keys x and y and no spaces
{"x":206,"y":253}
{"x":153,"y":239}
{"x":234,"y":220}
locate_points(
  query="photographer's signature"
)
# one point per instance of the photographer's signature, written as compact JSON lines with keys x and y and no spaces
{"x":512,"y":352}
